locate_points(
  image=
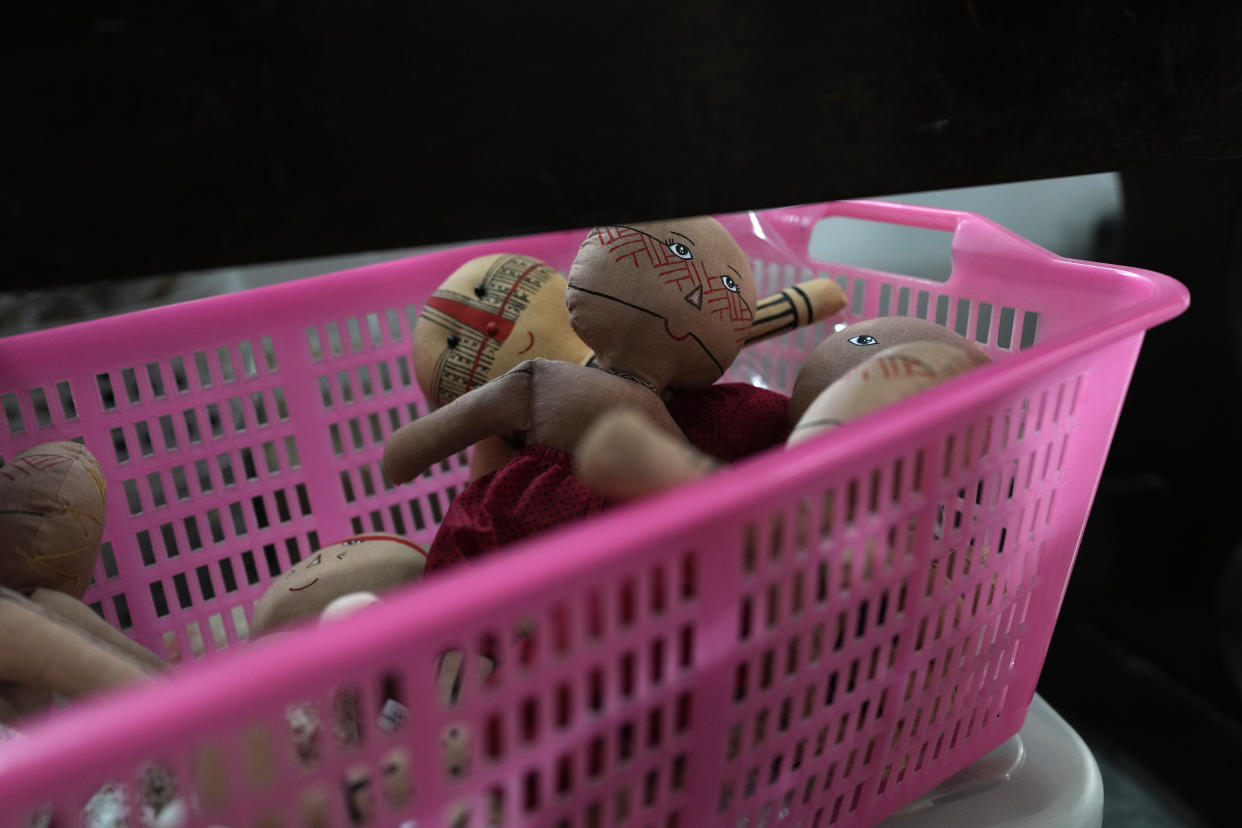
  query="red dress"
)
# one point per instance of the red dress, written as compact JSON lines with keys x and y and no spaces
{"x":537,"y":490}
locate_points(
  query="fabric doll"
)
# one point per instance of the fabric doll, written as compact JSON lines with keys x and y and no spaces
{"x":498,"y":310}
{"x":362,"y":564}
{"x":51,"y":520}
{"x":665,"y":307}
{"x":858,"y":369}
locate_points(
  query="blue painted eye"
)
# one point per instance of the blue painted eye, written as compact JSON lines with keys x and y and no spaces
{"x":863,"y":339}
{"x":351,"y":542}
{"x":730,"y":284}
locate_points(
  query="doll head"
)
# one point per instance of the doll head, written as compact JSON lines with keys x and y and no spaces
{"x":367,"y":563}
{"x":858,"y":342}
{"x":52,"y":520}
{"x":671,"y":301}
{"x":487,"y":316}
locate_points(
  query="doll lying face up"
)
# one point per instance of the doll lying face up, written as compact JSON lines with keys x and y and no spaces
{"x":665,"y":307}
{"x":856,"y":370}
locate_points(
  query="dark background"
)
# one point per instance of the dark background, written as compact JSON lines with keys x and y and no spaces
{"x":147,"y":140}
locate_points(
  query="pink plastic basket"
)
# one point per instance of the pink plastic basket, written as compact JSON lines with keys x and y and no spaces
{"x":814,"y":637}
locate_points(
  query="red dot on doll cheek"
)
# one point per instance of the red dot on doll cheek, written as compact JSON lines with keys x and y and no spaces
{"x":492,"y":329}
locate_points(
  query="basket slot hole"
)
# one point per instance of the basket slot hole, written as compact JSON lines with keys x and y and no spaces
{"x":260,"y":408}
{"x":433,"y":501}
{"x":145,"y":445}
{"x":269,"y":354}
{"x":67,"y":405}
{"x":373,"y":328}
{"x":238,"y":413}
{"x":226,"y":364}
{"x":42,"y":412}
{"x":325,"y":391}
{"x":248,"y":467}
{"x":181,"y":379}
{"x":182,"y":588}
{"x":398,"y":521}
{"x":291,"y":452}
{"x":203,"y":368}
{"x":292,"y":550}
{"x":385,"y":376}
{"x":195,"y":540}
{"x":248,"y":566}
{"x":368,"y":485}
{"x":169,"y":432}
{"x":156,"y":484}
{"x":858,"y":297}
{"x":355,"y":334}
{"x":1030,"y":329}
{"x":249,"y":367}
{"x":107,"y":396}
{"x":313,"y":343}
{"x":169,"y":536}
{"x":119,"y":446}
{"x":158,"y":599}
{"x":239,"y":520}
{"x":983,"y":323}
{"x":131,"y":496}
{"x":626,"y":684}
{"x":394,"y":323}
{"x":355,"y":434}
{"x":214,"y":420}
{"x":416,"y":512}
{"x":226,"y":469}
{"x":271,"y":559}
{"x":595,"y":690}
{"x":260,"y":511}
{"x":364,"y":382}
{"x":347,"y":391}
{"x":270,"y":457}
{"x":334,"y":339}
{"x":403,"y":371}
{"x":347,"y":486}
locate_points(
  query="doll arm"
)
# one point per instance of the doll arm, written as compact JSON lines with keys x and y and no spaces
{"x":84,"y":619}
{"x":497,"y":407}
{"x":43,"y":650}
{"x":624,"y":455}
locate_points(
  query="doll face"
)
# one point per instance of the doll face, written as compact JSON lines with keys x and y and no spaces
{"x":490,"y":314}
{"x":856,"y":343}
{"x":367,"y":563}
{"x":673,"y":300}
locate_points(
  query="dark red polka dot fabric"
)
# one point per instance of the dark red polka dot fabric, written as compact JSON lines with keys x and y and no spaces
{"x":537,"y":490}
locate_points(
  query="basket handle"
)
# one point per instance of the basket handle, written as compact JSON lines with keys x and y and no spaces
{"x":970,"y":231}
{"x":888,"y":212}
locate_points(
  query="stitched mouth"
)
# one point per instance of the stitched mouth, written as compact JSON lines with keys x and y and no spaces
{"x":308,"y":586}
{"x":664,"y":319}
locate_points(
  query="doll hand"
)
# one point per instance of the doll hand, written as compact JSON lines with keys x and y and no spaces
{"x":624,"y":455}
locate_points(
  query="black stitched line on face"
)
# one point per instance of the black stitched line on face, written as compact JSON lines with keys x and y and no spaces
{"x":651,"y":313}
{"x":615,"y":299}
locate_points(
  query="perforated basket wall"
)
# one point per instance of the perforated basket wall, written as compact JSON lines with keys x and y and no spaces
{"x":813,"y":637}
